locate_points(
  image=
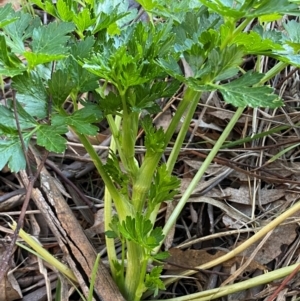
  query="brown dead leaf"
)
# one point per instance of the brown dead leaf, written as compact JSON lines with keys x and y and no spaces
{"x":95,"y":140}
{"x":12,"y":202}
{"x":229,"y":210}
{"x":98,"y":226}
{"x":242,"y":195}
{"x":164,"y":120}
{"x":10,"y":289}
{"x":221,"y":114}
{"x":170,"y":236}
{"x":232,"y":223}
{"x":189,"y":259}
{"x":282,"y":235}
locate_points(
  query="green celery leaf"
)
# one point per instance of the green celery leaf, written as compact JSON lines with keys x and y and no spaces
{"x":142,"y":226}
{"x":291,"y":59}
{"x":129,"y":59}
{"x":46,"y":5}
{"x":127,"y":229}
{"x":64,"y":10}
{"x":276,"y":36}
{"x":49,"y":43}
{"x":110,"y":103}
{"x":81,"y":120}
{"x":111,"y":234}
{"x":240,"y":92}
{"x":11,"y":153}
{"x":266,"y":7}
{"x":161,"y":256}
{"x":109,"y":13}
{"x":292,"y":39}
{"x":140,"y":230}
{"x":150,"y":42}
{"x":164,"y":187}
{"x":249,"y":8}
{"x":35,"y":59}
{"x":99,"y":65}
{"x":83,"y":20}
{"x":114,"y":227}
{"x":154,"y":139}
{"x":220,"y":64}
{"x":80,"y":124}
{"x":175,"y":10}
{"x":83,"y":80}
{"x":112,"y":167}
{"x":153,"y":282}
{"x":10,"y":65}
{"x":170,"y":66}
{"x":19,"y":31}
{"x":224,"y":8}
{"x":7,"y":15}
{"x":82,"y":49}
{"x":135,"y":228}
{"x":31,"y":93}
{"x":7,"y":118}
{"x":155,"y":238}
{"x":8,"y":131}
{"x":144,"y":97}
{"x":60,"y":86}
{"x":253,"y":43}
{"x":51,"y":38}
{"x":195,"y":24}
{"x":147,"y":5}
{"x":50,"y":136}
{"x":80,"y":79}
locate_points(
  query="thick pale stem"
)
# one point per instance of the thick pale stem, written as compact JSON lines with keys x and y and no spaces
{"x":134,"y":275}
{"x":129,"y":134}
{"x":143,"y":180}
{"x":110,"y":243}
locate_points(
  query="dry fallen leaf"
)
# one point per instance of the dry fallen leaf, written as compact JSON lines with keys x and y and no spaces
{"x":221,"y":114}
{"x":170,"y":236}
{"x":9,"y":287}
{"x":190,"y":258}
{"x":242,"y":196}
{"x":282,"y":235}
{"x":98,"y":226}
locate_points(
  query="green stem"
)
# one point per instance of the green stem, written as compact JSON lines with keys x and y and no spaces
{"x":272,"y":72}
{"x":193,"y":98}
{"x":235,"y":32}
{"x":129,"y":134}
{"x":144,"y":179}
{"x":219,"y":292}
{"x":122,"y":205}
{"x":145,"y":174}
{"x":134,"y":274}
{"x":257,"y":136}
{"x":143,"y":271}
{"x":110,"y":243}
{"x":172,"y":219}
{"x":176,"y":119}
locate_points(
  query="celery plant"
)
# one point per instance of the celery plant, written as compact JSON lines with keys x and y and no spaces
{"x":127,"y":65}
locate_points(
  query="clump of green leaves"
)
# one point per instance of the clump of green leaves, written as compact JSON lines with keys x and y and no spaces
{"x":97,"y":47}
